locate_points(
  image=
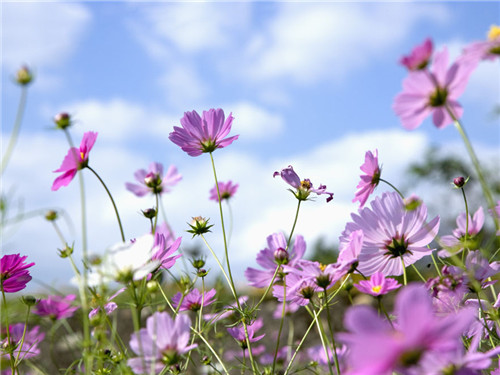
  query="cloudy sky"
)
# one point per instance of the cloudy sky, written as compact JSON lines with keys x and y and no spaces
{"x":309,"y":84}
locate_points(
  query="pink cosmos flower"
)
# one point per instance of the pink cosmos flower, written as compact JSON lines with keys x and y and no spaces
{"x":226,"y":190}
{"x":163,"y":250}
{"x":456,"y":241}
{"x":274,"y":255}
{"x":299,"y":290}
{"x":369,"y":180}
{"x":153,"y":181}
{"x":375,"y":348}
{"x":433,"y":91}
{"x":419,"y":57}
{"x":203,"y":134}
{"x":378,"y":285}
{"x":29,"y":348}
{"x":238,"y":332}
{"x":194,"y":300}
{"x":390,"y":233}
{"x":14,"y":274}
{"x":350,"y":248}
{"x":302,"y":188}
{"x":56,"y":307}
{"x":485,"y":50}
{"x":161,"y":343}
{"x":75,"y":160}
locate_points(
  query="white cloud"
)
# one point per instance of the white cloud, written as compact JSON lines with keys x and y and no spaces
{"x":308,"y":42}
{"x":41,"y":34}
{"x":254,"y":122}
{"x":183,"y":85}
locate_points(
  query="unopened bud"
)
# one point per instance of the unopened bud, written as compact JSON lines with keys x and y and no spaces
{"x":51,"y":215}
{"x":199,"y":225}
{"x":412,"y":202}
{"x":62,"y":120}
{"x":24,"y":76}
{"x":281,"y":256}
{"x":198,"y":263}
{"x":149,"y":213}
{"x":459,"y":182}
{"x":66,"y":252}
{"x":202,"y":272}
{"x":29,"y":300}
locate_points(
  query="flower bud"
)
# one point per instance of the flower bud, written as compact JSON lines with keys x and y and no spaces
{"x":66,"y":252}
{"x":62,"y":120}
{"x":199,"y":225}
{"x":459,"y":182}
{"x":281,"y":256}
{"x":412,"y":202}
{"x":51,"y":215}
{"x":198,"y":263}
{"x":206,"y":360}
{"x":29,"y":300}
{"x":152,"y":286}
{"x":149,"y":213}
{"x":202,"y":272}
{"x":24,"y":76}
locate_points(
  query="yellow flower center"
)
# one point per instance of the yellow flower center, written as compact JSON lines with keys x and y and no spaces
{"x":81,"y":155}
{"x":376,"y":288}
{"x":322,"y":267}
{"x":494,"y":32}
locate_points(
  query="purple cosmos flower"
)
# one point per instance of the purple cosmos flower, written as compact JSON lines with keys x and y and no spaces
{"x":29,"y":348}
{"x":448,"y":290}
{"x":274,"y":255}
{"x":153,"y":181}
{"x":194,"y":300}
{"x":369,"y":180}
{"x":477,"y":265}
{"x":74,"y":160}
{"x":375,"y":348}
{"x":203,"y":134}
{"x":14,"y":274}
{"x":378,"y":285}
{"x":109,"y":306}
{"x":485,"y":50}
{"x":318,"y":355}
{"x":456,"y":241}
{"x":419,"y":57}
{"x":349,"y":249}
{"x":161,"y":343}
{"x":226,"y":191}
{"x":56,"y":307}
{"x":302,"y":188}
{"x":226,"y":312}
{"x":238,"y":332}
{"x":433,"y":91}
{"x":390,"y":233}
{"x":299,"y":291}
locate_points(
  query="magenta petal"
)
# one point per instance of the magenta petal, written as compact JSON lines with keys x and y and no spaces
{"x":63,"y":180}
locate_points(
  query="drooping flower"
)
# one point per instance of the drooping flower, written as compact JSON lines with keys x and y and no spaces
{"x":390,"y":233}
{"x":29,"y":347}
{"x":109,"y":306}
{"x":487,"y":49}
{"x":194,"y":300}
{"x":153,"y":181}
{"x":238,"y":332}
{"x":203,"y":134}
{"x":378,"y":285}
{"x":434,"y":91}
{"x":370,"y":178}
{"x":375,"y":348}
{"x":419,"y":57}
{"x":274,"y":255}
{"x":226,"y":191}
{"x":302,"y":188}
{"x":161,"y":343}
{"x":14,"y":274}
{"x":75,"y":159}
{"x":56,"y":307}
{"x":464,"y":234}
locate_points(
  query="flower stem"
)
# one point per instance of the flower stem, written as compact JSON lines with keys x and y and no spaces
{"x":15,"y":130}
{"x":23,"y":337}
{"x":6,"y":315}
{"x":392,"y":186}
{"x":283,"y":311}
{"x":404,"y":271}
{"x":330,"y":327}
{"x":293,"y":226}
{"x":112,"y":201}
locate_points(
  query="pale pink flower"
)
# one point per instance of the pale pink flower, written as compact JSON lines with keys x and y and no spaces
{"x":370,"y":178}
{"x":419,"y":57}
{"x":153,"y":181}
{"x":226,"y":191}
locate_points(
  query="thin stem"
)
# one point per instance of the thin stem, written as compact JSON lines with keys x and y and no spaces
{"x":16,"y":129}
{"x":153,"y":231}
{"x":404,"y":271}
{"x":418,"y":273}
{"x":322,"y":337}
{"x":23,"y":337}
{"x":294,"y":223}
{"x":330,"y":327}
{"x":283,"y":312}
{"x":6,"y":315}
{"x":466,"y":216}
{"x":392,"y":186}
{"x":435,"y":265}
{"x":381,"y":308}
{"x":267,"y":290}
{"x":112,"y":201}
{"x":82,"y":285}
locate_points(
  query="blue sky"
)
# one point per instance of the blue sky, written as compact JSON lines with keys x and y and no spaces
{"x":309,"y":84}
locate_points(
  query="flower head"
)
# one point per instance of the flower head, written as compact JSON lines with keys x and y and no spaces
{"x":464,"y":235}
{"x":419,"y":57}
{"x":109,"y":306}
{"x":370,"y":178}
{"x":302,"y":188}
{"x":56,"y":307}
{"x":488,"y":49}
{"x":29,"y":347}
{"x":226,"y":191}
{"x":76,"y":159}
{"x":153,"y":181}
{"x":390,"y":232}
{"x":377,"y":285}
{"x":14,"y":274}
{"x":203,"y":134}
{"x":238,"y":332}
{"x":194,"y":300}
{"x":434,"y":91}
{"x":161,"y":343}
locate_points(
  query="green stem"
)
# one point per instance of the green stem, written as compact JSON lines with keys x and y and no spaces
{"x":475,"y":162}
{"x":112,"y":201}
{"x":330,"y":327}
{"x":15,"y":130}
{"x":381,"y":308}
{"x":82,"y":285}
{"x":293,"y":226}
{"x":418,"y":273}
{"x":23,"y":337}
{"x":153,"y":231}
{"x":283,"y":312}
{"x":321,"y":336}
{"x":404,"y":271}
{"x":267,"y":290}
{"x":392,"y":186}
{"x":9,"y":342}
